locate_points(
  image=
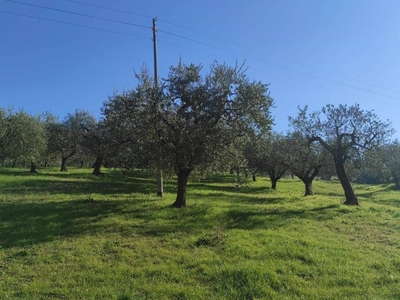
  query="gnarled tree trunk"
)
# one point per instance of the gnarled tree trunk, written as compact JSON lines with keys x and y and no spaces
{"x":64,"y":161}
{"x":63,"y":164}
{"x":274,"y":176}
{"x":308,"y":179}
{"x":351,"y":198}
{"x":183,"y":175}
{"x":308,"y":187}
{"x":273,"y":183}
{"x":97,"y":166}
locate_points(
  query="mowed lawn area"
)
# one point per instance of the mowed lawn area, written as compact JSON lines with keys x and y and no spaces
{"x":76,"y":236}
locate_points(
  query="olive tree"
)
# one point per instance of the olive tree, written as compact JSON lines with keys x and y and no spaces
{"x":390,"y":156}
{"x":276,"y":160}
{"x":344,"y":131}
{"x":66,"y":138}
{"x":131,"y":125}
{"x":24,"y":138}
{"x":198,"y":116}
{"x":97,"y":141}
{"x":305,"y":160}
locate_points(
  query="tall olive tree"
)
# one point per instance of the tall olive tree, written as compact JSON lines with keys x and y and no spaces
{"x":343,"y":131}
{"x":198,"y":116}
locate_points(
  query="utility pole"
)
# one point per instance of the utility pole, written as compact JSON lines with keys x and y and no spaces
{"x":155,"y":52}
{"x":160,"y":188}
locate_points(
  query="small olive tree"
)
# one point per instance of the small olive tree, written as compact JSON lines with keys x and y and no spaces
{"x":25,"y":138}
{"x":305,"y":159}
{"x":390,"y":156}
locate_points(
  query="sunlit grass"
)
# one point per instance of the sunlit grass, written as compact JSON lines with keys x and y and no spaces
{"x":75,"y":236}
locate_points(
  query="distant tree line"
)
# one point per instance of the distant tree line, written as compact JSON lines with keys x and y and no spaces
{"x":207,"y":122}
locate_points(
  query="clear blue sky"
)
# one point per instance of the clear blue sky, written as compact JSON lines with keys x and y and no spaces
{"x":312,"y":52}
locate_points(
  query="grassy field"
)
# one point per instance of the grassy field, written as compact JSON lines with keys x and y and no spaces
{"x":75,"y":236}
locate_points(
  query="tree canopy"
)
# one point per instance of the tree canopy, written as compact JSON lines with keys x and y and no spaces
{"x":194,"y":117}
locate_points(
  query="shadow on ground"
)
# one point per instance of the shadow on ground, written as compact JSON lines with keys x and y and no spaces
{"x":79,"y":183}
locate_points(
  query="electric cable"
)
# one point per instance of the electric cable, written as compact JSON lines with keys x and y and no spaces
{"x":73,"y":24}
{"x":77,"y":14}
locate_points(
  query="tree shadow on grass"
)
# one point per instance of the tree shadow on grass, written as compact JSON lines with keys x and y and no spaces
{"x":246,"y":189}
{"x":73,"y":183}
{"x":23,"y":224}
{"x":30,"y":223}
{"x":194,"y":220}
{"x":241,"y":198}
{"x":78,"y":187}
{"x":278,"y":217}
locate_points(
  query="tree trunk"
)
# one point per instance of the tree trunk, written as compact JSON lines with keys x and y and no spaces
{"x":351,"y":198}
{"x":396,"y":182}
{"x":33,"y":167}
{"x":14,"y":161}
{"x":64,"y":161}
{"x":97,"y":166}
{"x":183,"y":175}
{"x":307,"y":179}
{"x":254,"y":177}
{"x":238,"y":176}
{"x":308,"y":187}
{"x":63,"y":164}
{"x":273,"y":183}
{"x":160,"y":183}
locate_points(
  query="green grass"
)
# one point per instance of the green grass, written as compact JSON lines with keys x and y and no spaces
{"x":75,"y":236}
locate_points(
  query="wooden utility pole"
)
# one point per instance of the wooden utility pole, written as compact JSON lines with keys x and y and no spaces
{"x":160,"y":188}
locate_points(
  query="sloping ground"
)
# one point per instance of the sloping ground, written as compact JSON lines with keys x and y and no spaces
{"x":74,"y":236}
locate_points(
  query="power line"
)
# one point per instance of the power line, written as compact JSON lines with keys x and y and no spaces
{"x":205,"y":44}
{"x":275,"y":56}
{"x":111,"y":9}
{"x":303,"y":81}
{"x":77,"y":14}
{"x":72,"y":24}
{"x":243,"y":46}
{"x":282,"y":67}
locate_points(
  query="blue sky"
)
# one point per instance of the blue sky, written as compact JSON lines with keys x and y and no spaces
{"x":312,"y":52}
